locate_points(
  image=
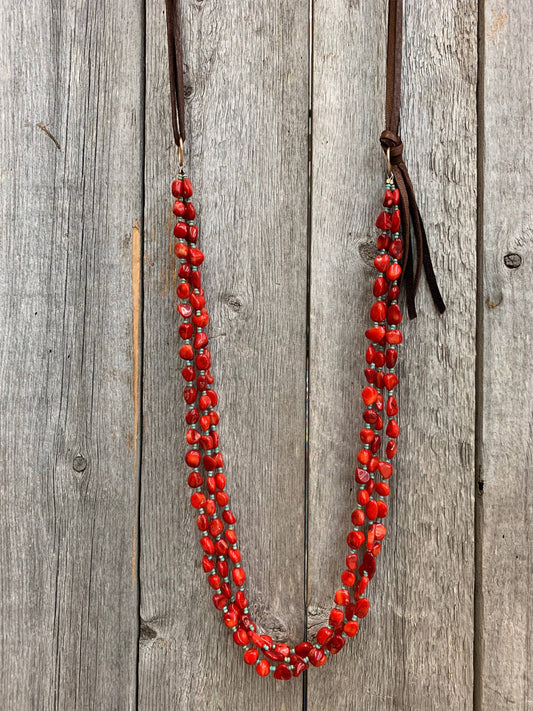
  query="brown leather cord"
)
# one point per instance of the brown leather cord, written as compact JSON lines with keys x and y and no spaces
{"x":390,"y":141}
{"x":175,"y":65}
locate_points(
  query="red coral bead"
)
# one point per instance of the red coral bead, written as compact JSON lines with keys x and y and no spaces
{"x":324,"y":634}
{"x":369,"y":395}
{"x":393,"y":337}
{"x":200,"y":340}
{"x":358,"y":517}
{"x":381,"y":262}
{"x":366,"y":436}
{"x":384,"y":221}
{"x":216,"y":527}
{"x":394,"y":315}
{"x":184,"y":310}
{"x":351,"y":561}
{"x":392,"y":429}
{"x":186,"y":352}
{"x":179,"y":208}
{"x":364,"y":456}
{"x":396,"y":221}
{"x":231,"y":619}
{"x":382,"y":488}
{"x":361,"y":477}
{"x":192,"y":233}
{"x":317,"y":657}
{"x":396,"y":248}
{"x":177,"y":188}
{"x":190,"y":211}
{"x":282,"y":672}
{"x":240,"y":637}
{"x":370,"y":416}
{"x":383,"y":241}
{"x":381,"y":287}
{"x":392,"y":406}
{"x":185,"y":330}
{"x":239,"y":576}
{"x":263,"y":667}
{"x":390,"y":380}
{"x":391,"y":448}
{"x":193,"y":458}
{"x":250,"y":656}
{"x":196,"y":256}
{"x":189,"y":395}
{"x":377,"y":312}
{"x":348,"y":578}
{"x":342,"y":597}
{"x":370,"y":375}
{"x":351,"y":628}
{"x":371,"y":510}
{"x":355,"y":539}
{"x":185,"y":271}
{"x":187,"y":188}
{"x":362,"y":607}
{"x":180,"y":232}
{"x":336,"y":644}
{"x":385,"y":469}
{"x":192,"y":416}
{"x":393,"y":272}
{"x":376,"y":333}
{"x":195,"y":479}
{"x":183,"y":290}
{"x":391,"y":357}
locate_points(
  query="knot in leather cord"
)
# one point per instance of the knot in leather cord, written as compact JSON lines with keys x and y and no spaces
{"x":390,"y":141}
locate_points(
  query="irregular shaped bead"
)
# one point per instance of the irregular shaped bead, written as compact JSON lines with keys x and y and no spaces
{"x":377,"y":311}
{"x":381,"y":262}
{"x":392,"y":429}
{"x":395,"y":221}
{"x":381,"y":286}
{"x":324,"y":634}
{"x":282,"y":672}
{"x":240,"y":637}
{"x":384,"y":221}
{"x":250,"y":656}
{"x":177,"y":188}
{"x":355,"y":539}
{"x":376,"y":333}
{"x":342,"y":597}
{"x":393,"y":337}
{"x":394,"y":315}
{"x":385,"y":469}
{"x":391,"y":356}
{"x":351,"y":628}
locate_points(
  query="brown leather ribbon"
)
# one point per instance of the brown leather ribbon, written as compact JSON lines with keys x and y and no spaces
{"x":390,"y":141}
{"x":175,"y":65}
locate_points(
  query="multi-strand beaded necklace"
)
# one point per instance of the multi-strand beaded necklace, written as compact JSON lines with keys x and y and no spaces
{"x":215,"y":519}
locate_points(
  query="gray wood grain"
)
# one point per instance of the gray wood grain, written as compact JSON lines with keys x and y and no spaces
{"x":70,"y":162}
{"x":414,"y":650}
{"x":246,"y":77}
{"x":506,"y":669}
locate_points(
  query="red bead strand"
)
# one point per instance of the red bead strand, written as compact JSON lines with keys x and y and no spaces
{"x":221,"y":560}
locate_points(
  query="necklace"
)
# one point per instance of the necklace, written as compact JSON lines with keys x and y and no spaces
{"x":221,"y":561}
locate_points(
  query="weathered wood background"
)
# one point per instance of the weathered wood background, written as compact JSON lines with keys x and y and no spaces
{"x":102,"y":605}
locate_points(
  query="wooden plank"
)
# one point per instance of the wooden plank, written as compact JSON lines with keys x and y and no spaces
{"x":247,"y":109}
{"x":505,"y":665}
{"x":414,"y":650}
{"x":71,"y":194}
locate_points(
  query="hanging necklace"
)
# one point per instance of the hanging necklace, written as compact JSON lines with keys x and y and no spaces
{"x":221,"y":561}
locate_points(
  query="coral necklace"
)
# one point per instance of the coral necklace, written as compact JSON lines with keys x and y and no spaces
{"x":221,"y":560}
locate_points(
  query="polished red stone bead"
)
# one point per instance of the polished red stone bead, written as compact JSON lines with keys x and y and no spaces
{"x":362,"y":497}
{"x":317,"y":657}
{"x":201,"y":320}
{"x":203,"y":360}
{"x":190,"y":211}
{"x":361,"y":477}
{"x":369,"y":395}
{"x":196,"y":257}
{"x":192,"y":416}
{"x":298,"y":664}
{"x":181,"y":250}
{"x":380,"y":531}
{"x":223,"y":568}
{"x":394,"y":293}
{"x":240,"y":637}
{"x":396,"y":248}
{"x":382,"y":488}
{"x":358,"y":517}
{"x":396,"y":221}
{"x":361,"y":607}
{"x":228,"y":516}
{"x":183,"y":290}
{"x":370,"y":416}
{"x":197,"y":301}
{"x":368,"y":565}
{"x":379,"y":401}
{"x":196,"y":278}
{"x":379,"y":423}
{"x":377,"y":312}
{"x":381,"y":286}
{"x":376,"y":333}
{"x":226,"y":590}
{"x":180,"y":232}
{"x":185,"y":271}
{"x":392,"y":406}
{"x":282,"y":672}
{"x":381,"y":262}
{"x":366,"y":436}
{"x":303,"y":648}
{"x":336,"y":644}
{"x":230,"y":619}
{"x":379,"y":379}
{"x":369,"y":355}
{"x":370,"y":375}
{"x":342,"y":597}
{"x":393,"y":337}
{"x":177,"y":188}
{"x":239,"y":576}
{"x":179,"y":208}
{"x":391,"y":356}
{"x":193,"y":458}
{"x":192,"y":233}
{"x":206,"y":543}
{"x":263,"y":667}
{"x":185,"y":330}
{"x":385,"y":469}
{"x":324,"y":634}
{"x":250,"y":656}
{"x":384,"y":221}
{"x":394,"y":315}
{"x":216,"y":527}
{"x":240,"y":599}
{"x":391,"y":448}
{"x":371,"y":510}
{"x":189,"y":395}
{"x":348,"y":578}
{"x":235,"y":555}
{"x":195,"y":479}
{"x":200,"y":340}
{"x":351,"y":627}
{"x":393,"y":272}
{"x":390,"y":380}
{"x":210,"y":507}
{"x":376,"y":444}
{"x":379,"y":359}
{"x":187,"y":188}
{"x":207,"y":564}
{"x":336,"y":617}
{"x":186,"y":352}
{"x":355,"y":539}
{"x":214,"y":581}
{"x":383,"y":241}
{"x":205,"y":423}
{"x":231,"y":536}
{"x":364,"y":456}
{"x":201,"y":523}
{"x":373,"y":465}
{"x":392,"y":429}
{"x":351,"y":561}
{"x":184,"y":310}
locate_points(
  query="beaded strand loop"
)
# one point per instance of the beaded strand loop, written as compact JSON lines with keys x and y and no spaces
{"x":221,"y":559}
